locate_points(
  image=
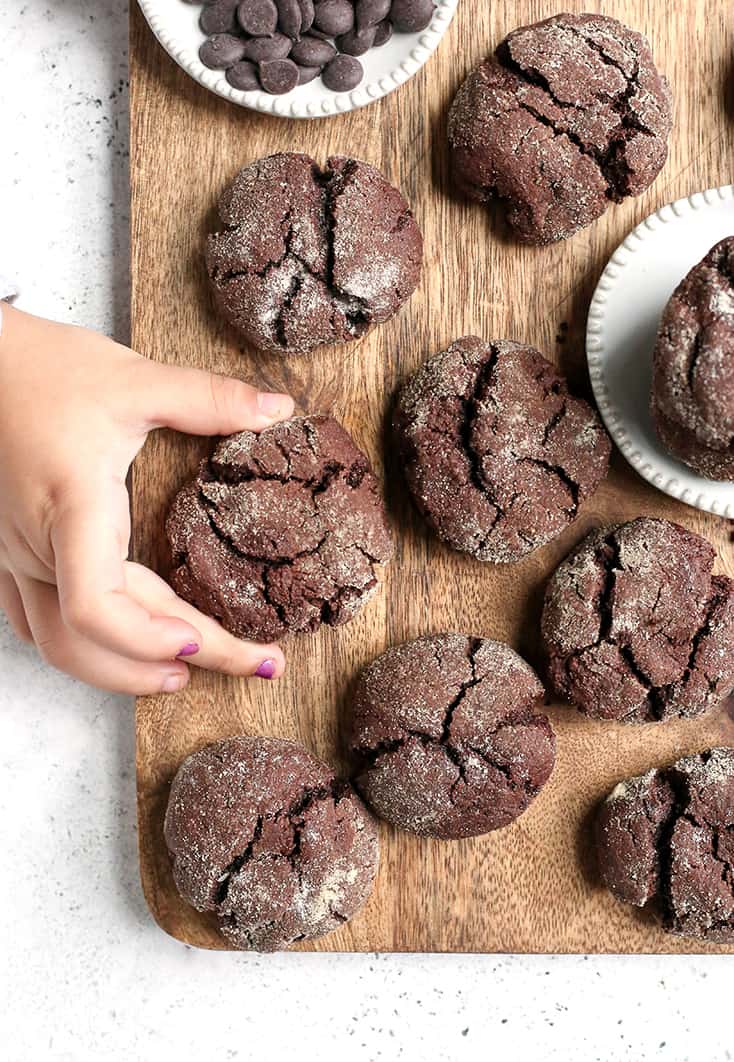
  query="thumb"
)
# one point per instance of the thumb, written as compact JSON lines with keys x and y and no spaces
{"x":203,"y":403}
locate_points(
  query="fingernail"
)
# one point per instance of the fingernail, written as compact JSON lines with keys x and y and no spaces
{"x":266,"y":669}
{"x":173,"y":683}
{"x":189,"y":649}
{"x":272,"y":405}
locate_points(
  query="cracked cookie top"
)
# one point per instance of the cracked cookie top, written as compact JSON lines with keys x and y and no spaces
{"x":498,"y":454}
{"x":637,"y":628}
{"x":692,"y":398}
{"x":447,"y":738}
{"x":280,"y":531}
{"x":667,"y":838}
{"x":310,"y":256}
{"x":568,"y":116}
{"x":261,"y":833}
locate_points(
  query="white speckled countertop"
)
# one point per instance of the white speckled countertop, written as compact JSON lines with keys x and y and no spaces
{"x":85,"y":974}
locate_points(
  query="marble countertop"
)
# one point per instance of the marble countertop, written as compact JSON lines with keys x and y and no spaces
{"x":85,"y":974}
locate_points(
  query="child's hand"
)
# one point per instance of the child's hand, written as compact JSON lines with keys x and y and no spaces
{"x":75,"y":408}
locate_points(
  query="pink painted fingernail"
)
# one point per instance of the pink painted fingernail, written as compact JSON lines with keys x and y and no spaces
{"x":189,"y":649}
{"x":173,"y":683}
{"x":266,"y":669}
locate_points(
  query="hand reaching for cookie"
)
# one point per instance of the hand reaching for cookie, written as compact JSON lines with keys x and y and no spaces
{"x":75,"y":408}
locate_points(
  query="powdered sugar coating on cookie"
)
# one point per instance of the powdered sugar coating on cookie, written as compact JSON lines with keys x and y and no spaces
{"x":281,"y":531}
{"x":570,"y":115}
{"x":692,"y":398}
{"x":309,"y":256}
{"x":261,"y":833}
{"x":498,"y":455}
{"x":637,"y":628}
{"x":446,"y":735}
{"x":667,"y":838}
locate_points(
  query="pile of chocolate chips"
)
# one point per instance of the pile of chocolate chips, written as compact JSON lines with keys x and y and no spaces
{"x":278,"y":44}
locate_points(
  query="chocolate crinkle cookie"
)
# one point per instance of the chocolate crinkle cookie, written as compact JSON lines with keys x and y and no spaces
{"x":569,"y":115}
{"x":637,"y":628}
{"x":280,"y":531}
{"x":667,"y":839}
{"x":263,"y":835}
{"x":692,"y":398}
{"x":498,"y":455}
{"x":447,"y":738}
{"x":310,"y":256}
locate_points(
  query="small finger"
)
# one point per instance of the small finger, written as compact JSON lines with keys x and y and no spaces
{"x":219,"y":650}
{"x":204,"y":403}
{"x":88,"y":552}
{"x":12,"y":605}
{"x":76,"y":655}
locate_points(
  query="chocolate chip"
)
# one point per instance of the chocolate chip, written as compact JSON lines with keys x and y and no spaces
{"x":289,"y":18}
{"x":370,"y":12}
{"x":258,"y":17}
{"x":308,"y":13}
{"x":220,"y":16}
{"x":356,"y":42}
{"x":278,"y":76}
{"x":411,"y":16}
{"x":334,"y":17}
{"x":343,"y":73}
{"x":383,"y":33}
{"x":261,"y":49}
{"x":243,"y":76}
{"x":308,"y":73}
{"x":310,"y":51}
{"x":221,"y":50}
{"x":280,"y":43}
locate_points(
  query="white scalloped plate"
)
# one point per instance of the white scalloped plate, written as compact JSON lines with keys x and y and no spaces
{"x":176,"y":25}
{"x":623,"y":321}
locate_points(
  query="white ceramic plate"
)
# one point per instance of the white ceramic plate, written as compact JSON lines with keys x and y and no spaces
{"x":623,"y":322}
{"x":176,"y":25}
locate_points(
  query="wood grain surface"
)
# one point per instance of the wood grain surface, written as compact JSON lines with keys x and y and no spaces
{"x":532,"y":886}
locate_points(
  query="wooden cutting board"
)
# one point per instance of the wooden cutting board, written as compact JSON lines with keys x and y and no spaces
{"x":530,"y":887}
